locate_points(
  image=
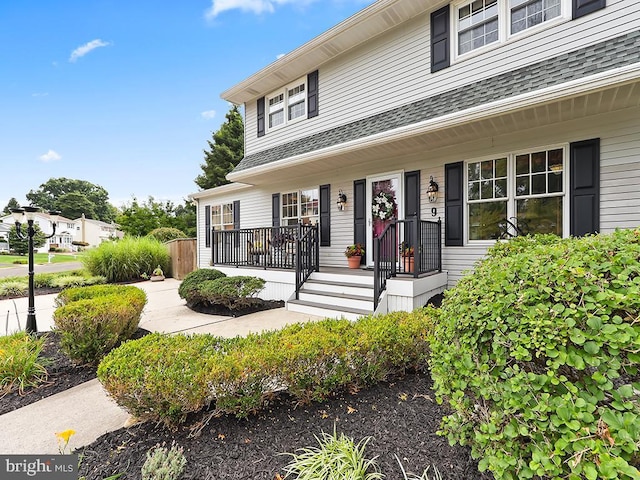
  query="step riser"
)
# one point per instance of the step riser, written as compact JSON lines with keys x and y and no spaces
{"x":339,"y":278}
{"x":328,"y":289}
{"x":320,"y":312}
{"x":337,"y":301}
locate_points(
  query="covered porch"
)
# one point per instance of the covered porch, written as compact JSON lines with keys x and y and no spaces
{"x":406,"y":270}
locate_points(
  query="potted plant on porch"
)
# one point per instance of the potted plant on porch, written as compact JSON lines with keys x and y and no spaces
{"x":354,"y":254}
{"x":406,"y":252}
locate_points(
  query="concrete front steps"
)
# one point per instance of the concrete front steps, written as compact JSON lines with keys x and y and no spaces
{"x":335,"y":295}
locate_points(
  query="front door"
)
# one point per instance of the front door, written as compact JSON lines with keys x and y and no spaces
{"x":384,"y":200}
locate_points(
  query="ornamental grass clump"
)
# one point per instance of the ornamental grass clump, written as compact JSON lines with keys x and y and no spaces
{"x":537,"y":352}
{"x":21,"y":365}
{"x":126,"y":259}
{"x":93,"y":320}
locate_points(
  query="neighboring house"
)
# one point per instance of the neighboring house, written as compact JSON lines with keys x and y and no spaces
{"x":4,"y":237}
{"x":94,"y":232}
{"x":525,"y":113}
{"x":64,"y":235}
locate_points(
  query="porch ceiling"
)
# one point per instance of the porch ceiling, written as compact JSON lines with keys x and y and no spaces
{"x":377,"y":150}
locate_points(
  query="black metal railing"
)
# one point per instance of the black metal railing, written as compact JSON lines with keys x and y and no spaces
{"x":308,"y":257}
{"x":266,"y":247}
{"x":404,"y":249}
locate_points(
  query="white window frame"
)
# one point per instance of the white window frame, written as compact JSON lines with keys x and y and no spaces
{"x":511,"y":198}
{"x":223,"y":224}
{"x":289,"y":99}
{"x":504,"y":27}
{"x":299,"y":217}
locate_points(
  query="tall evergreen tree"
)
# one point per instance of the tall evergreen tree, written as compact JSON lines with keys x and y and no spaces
{"x":226,"y":149}
{"x":13,"y":203}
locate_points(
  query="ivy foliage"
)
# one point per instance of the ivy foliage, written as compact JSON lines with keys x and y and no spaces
{"x":537,"y":352}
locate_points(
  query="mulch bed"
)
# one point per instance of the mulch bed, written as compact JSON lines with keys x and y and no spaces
{"x":253,"y":305}
{"x":401,"y":418}
{"x":36,"y":291}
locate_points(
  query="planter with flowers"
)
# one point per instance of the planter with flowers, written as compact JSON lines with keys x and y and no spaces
{"x":157,"y":275}
{"x":406,"y":252}
{"x":354,"y":254}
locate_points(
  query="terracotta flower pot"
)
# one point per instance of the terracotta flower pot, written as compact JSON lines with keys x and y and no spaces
{"x":354,"y":262}
{"x":408,"y":264}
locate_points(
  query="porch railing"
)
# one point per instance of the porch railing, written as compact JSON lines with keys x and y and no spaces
{"x":308,"y":255}
{"x":266,"y":247}
{"x":403,"y":248}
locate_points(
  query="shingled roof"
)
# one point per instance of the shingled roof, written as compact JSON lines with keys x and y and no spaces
{"x":600,"y":57}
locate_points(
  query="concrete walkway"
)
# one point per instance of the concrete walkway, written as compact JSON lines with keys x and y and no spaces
{"x":87,"y":409}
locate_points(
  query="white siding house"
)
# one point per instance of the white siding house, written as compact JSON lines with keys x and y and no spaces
{"x":525,"y":114}
{"x":64,"y":233}
{"x":94,"y":232}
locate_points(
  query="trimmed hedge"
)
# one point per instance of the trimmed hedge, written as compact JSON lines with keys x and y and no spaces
{"x":93,"y":320}
{"x":195,"y":278}
{"x":163,"y":378}
{"x":234,"y":293}
{"x":538,"y":352}
{"x":165,"y":234}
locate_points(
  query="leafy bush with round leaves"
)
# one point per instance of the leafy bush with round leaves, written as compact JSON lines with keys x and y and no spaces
{"x":93,"y":320}
{"x":195,"y":278}
{"x":538,"y":350}
{"x":165,"y":234}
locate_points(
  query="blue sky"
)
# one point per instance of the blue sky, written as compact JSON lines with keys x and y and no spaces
{"x":126,"y":93}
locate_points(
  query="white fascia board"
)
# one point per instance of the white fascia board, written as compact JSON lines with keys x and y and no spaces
{"x":573,"y":88}
{"x":211,"y":192}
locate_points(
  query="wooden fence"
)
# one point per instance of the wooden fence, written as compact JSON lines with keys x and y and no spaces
{"x":183,"y":257}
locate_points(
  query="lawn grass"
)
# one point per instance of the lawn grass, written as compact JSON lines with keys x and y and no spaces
{"x":39,"y":258}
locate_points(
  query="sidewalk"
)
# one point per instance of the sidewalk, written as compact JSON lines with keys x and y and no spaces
{"x":86,"y":408}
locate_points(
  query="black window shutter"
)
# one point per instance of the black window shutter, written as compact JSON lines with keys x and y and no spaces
{"x":453,"y":204}
{"x":261,"y":117}
{"x":440,"y":39}
{"x":312,"y":94}
{"x":411,"y":203}
{"x":275,"y":210}
{"x":360,"y":211}
{"x":585,"y":7}
{"x":236,"y":215}
{"x":584,"y":186}
{"x":207,"y":226}
{"x":325,"y":215}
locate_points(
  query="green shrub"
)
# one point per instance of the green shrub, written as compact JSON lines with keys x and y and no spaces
{"x":163,"y":378}
{"x":163,"y":463}
{"x":93,"y":320}
{"x":126,"y":259}
{"x":20,"y":363}
{"x":538,"y":351}
{"x":68,"y":281}
{"x":233,"y":293}
{"x":165,"y":234}
{"x":193,"y":279}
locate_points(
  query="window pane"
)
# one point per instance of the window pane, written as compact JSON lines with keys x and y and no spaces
{"x":522,"y":164}
{"x":501,"y":188}
{"x":539,"y":162}
{"x":296,"y":111}
{"x":276,"y":118}
{"x":501,"y":167}
{"x":526,"y":14}
{"x":486,"y":189}
{"x":484,"y":219}
{"x":474,"y":191}
{"x":487,"y":169}
{"x":555,"y":182}
{"x":540,"y":215}
{"x":522,"y":186}
{"x":538,"y":184}
{"x":473,"y":170}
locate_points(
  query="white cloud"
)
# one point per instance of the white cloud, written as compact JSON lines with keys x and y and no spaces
{"x":208,"y":115}
{"x":253,"y":6}
{"x":82,"y":50}
{"x":50,"y":156}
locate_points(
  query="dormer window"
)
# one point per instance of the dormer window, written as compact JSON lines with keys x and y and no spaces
{"x":529,"y":13}
{"x":276,"y":110}
{"x":477,"y":25}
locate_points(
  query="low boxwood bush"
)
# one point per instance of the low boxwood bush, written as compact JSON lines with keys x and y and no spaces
{"x":233,"y":293}
{"x":537,"y":352}
{"x":93,"y":320}
{"x":163,"y":378}
{"x":195,"y":278}
{"x":127,"y":259}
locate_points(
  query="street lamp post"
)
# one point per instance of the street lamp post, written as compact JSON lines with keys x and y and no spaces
{"x":20,"y":215}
